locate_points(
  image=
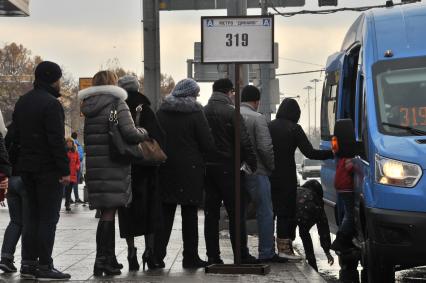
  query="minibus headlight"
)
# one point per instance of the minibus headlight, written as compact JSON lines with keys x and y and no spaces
{"x":397,"y":173}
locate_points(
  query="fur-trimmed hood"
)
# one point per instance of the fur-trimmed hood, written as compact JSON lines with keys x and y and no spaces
{"x":187,"y":104}
{"x":96,"y":98}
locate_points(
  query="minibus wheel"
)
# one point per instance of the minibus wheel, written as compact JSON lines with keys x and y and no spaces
{"x":375,"y":269}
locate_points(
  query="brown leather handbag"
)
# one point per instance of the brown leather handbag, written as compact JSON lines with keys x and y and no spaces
{"x":152,"y":152}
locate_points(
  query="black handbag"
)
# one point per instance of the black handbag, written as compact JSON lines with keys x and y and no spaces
{"x":120,"y":150}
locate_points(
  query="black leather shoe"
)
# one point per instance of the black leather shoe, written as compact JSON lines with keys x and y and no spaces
{"x":214,"y":260}
{"x":249,"y":259}
{"x":276,"y":259}
{"x":28,"y":271}
{"x":195,"y":262}
{"x":51,"y":273}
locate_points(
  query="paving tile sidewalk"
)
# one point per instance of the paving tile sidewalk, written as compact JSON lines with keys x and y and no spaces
{"x":74,"y":253}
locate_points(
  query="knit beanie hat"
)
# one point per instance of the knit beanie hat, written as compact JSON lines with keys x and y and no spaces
{"x":48,"y":72}
{"x":223,"y":85}
{"x":250,"y":93}
{"x":129,"y":83}
{"x":185,"y":88}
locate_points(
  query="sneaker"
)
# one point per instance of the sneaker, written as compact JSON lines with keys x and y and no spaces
{"x":51,"y":273}
{"x":249,"y":259}
{"x":7,"y":265}
{"x":28,"y":271}
{"x":285,"y":249}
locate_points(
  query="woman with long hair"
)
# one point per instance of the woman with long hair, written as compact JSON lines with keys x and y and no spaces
{"x":141,"y":216}
{"x":108,"y":181}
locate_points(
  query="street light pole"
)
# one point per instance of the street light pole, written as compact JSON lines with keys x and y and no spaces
{"x":309,"y":108}
{"x":315,"y":81}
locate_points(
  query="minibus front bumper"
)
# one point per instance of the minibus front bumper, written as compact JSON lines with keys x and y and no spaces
{"x":399,"y":237}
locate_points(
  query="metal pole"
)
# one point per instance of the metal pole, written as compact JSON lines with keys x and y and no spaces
{"x":189,"y":68}
{"x":237,"y":165}
{"x":309,"y":109}
{"x":151,"y":41}
{"x":265,"y":79}
{"x":315,"y":81}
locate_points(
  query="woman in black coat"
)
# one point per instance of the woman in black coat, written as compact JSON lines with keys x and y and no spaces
{"x":141,"y":216}
{"x":182,"y":176}
{"x":287,"y":135}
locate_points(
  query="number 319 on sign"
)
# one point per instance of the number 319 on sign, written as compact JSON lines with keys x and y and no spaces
{"x":236,"y":39}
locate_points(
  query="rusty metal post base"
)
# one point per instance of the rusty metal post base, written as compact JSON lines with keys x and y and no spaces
{"x":258,"y":269}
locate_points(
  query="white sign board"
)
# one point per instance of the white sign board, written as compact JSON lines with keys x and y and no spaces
{"x":247,"y":39}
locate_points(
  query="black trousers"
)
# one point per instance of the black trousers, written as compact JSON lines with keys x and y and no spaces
{"x":220,"y":187}
{"x":308,"y":245}
{"x":68,"y":191}
{"x":189,"y":230}
{"x":44,"y":194}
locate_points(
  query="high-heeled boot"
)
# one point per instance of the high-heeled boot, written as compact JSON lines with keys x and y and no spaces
{"x":103,"y":260}
{"x":149,"y":256}
{"x":114,"y":261}
{"x":132,"y":257}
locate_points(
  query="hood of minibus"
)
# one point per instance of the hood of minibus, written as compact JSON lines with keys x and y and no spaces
{"x":404,"y":148}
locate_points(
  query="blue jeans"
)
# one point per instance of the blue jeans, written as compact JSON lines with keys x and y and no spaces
{"x":259,"y":189}
{"x":75,"y":186}
{"x":17,"y":204}
{"x":346,"y":203}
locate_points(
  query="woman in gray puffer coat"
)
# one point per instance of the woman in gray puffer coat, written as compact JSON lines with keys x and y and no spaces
{"x":108,"y":182}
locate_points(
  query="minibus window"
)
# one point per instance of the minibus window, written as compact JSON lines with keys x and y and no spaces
{"x":329,"y":108}
{"x":401,"y":97}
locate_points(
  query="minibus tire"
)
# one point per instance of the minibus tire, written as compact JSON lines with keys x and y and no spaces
{"x":375,"y":269}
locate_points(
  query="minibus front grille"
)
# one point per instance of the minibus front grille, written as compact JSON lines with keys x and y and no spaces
{"x":421,"y":141}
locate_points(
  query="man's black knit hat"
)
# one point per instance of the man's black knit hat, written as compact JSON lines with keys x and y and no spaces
{"x":48,"y":72}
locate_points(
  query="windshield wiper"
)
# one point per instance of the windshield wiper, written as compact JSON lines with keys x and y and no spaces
{"x":412,"y":130}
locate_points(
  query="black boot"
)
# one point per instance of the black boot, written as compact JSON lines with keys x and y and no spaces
{"x":114,"y":261}
{"x":103,"y":263}
{"x":132,"y":257}
{"x":149,"y":256}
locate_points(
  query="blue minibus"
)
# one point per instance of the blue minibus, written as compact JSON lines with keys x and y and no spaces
{"x":376,"y":88}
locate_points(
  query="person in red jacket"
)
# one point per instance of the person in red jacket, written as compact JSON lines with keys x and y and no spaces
{"x":344,"y":185}
{"x":74,"y":163}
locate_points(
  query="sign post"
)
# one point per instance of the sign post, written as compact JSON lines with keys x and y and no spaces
{"x":237,"y":40}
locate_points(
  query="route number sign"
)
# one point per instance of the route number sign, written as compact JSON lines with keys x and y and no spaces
{"x":248,"y":39}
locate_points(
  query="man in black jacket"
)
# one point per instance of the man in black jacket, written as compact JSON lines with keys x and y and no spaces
{"x":43,"y":165}
{"x":220,"y":113}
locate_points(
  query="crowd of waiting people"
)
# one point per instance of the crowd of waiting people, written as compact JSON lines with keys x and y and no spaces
{"x":37,"y":162}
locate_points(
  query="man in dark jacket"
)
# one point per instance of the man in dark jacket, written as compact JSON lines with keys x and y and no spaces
{"x":287,"y":135}
{"x":43,"y":165}
{"x":220,"y":113}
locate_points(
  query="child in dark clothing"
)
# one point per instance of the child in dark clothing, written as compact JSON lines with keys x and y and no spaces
{"x":344,"y":185}
{"x":310,"y":212}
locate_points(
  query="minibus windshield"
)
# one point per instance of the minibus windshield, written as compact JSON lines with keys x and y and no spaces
{"x":401,"y":97}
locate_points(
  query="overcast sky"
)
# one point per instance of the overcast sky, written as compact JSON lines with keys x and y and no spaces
{"x":82,"y":35}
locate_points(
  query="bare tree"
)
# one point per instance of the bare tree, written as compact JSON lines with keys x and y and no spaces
{"x":16,"y":75}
